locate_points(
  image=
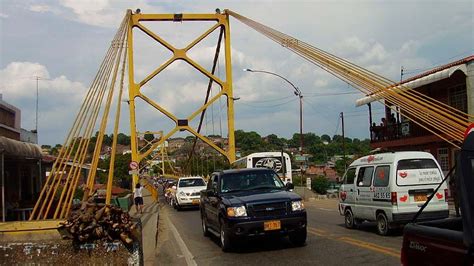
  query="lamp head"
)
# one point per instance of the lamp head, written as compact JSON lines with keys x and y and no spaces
{"x":248,"y":70}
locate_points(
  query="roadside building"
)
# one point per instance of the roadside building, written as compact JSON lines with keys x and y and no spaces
{"x":175,"y":144}
{"x":452,"y":84}
{"x":22,"y":172}
{"x":326,"y":170}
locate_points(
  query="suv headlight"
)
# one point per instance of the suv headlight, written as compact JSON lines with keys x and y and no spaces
{"x":237,"y":211}
{"x":297,"y":205}
{"x":182,"y":194}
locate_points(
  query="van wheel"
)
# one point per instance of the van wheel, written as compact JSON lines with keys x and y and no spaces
{"x":349,"y":219}
{"x":382,"y":224}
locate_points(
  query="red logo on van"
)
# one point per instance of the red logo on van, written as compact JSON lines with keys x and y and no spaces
{"x":403,"y":174}
{"x":343,"y":195}
{"x":370,"y":158}
{"x":439,"y":195}
{"x":404,"y":198}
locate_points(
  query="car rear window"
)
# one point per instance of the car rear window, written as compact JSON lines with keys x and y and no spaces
{"x":413,"y":172}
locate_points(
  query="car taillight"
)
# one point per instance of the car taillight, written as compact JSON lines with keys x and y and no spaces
{"x":446,"y":194}
{"x":394,"y":198}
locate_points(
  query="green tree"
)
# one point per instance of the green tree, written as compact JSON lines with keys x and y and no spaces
{"x":123,"y":139}
{"x":320,"y":184}
{"x":326,"y":138}
{"x":121,"y":176}
{"x":249,"y":142}
{"x":274,"y":142}
{"x":149,"y":137}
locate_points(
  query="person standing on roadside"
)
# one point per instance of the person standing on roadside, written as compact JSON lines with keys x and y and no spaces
{"x":138,"y":198}
{"x":454,"y":193}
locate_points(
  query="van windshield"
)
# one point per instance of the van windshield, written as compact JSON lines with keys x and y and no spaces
{"x":413,"y":172}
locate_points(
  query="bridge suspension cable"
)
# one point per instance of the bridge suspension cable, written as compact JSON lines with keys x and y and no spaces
{"x":441,"y":119}
{"x":56,"y":196}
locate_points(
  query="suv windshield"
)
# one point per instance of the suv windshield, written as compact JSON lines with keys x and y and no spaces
{"x":250,"y":181}
{"x":195,"y":182}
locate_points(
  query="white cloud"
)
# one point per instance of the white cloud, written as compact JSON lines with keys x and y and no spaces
{"x":3,"y":15}
{"x":103,"y":13}
{"x":40,"y":8}
{"x":59,"y":97}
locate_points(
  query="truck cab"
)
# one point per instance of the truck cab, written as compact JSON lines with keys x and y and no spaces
{"x":241,"y":204}
{"x":447,"y":241}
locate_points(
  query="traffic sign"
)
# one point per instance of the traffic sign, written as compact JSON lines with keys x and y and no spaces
{"x":133,"y":172}
{"x":133,"y":165}
{"x":300,"y":158}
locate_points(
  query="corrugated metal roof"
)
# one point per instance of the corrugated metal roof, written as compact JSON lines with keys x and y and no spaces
{"x":427,"y":77}
{"x":18,"y":149}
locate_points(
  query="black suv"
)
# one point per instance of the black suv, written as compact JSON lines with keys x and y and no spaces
{"x":244,"y":203}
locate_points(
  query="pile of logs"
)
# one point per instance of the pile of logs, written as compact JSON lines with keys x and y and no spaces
{"x":98,"y":222}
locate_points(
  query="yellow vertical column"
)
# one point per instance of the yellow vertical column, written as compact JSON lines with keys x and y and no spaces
{"x":132,"y":93}
{"x":229,"y":92}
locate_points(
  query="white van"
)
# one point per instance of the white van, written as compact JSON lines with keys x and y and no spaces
{"x":390,"y":188}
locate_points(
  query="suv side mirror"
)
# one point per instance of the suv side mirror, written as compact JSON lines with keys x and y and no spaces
{"x":213,"y":190}
{"x":289,"y":186}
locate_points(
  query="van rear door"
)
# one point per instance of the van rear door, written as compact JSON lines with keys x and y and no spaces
{"x":416,"y":180}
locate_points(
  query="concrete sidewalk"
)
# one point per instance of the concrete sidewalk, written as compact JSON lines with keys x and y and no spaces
{"x":149,"y":219}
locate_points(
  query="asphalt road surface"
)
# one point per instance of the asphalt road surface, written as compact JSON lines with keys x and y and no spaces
{"x":181,"y":242}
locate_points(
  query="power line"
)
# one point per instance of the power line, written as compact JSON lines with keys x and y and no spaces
{"x":271,"y":100}
{"x":315,"y":94}
{"x":269,"y":106}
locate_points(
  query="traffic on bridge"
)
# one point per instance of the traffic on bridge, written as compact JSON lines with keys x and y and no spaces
{"x":162,"y":163}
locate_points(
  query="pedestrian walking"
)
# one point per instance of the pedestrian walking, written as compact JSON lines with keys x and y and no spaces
{"x":454,"y":193}
{"x":138,"y":197}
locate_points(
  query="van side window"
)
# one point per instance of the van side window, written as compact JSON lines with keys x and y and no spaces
{"x":382,"y":176}
{"x":364,"y":178}
{"x":350,"y":176}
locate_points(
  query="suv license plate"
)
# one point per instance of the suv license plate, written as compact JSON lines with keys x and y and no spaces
{"x":195,"y":201}
{"x":420,"y":197}
{"x":271,"y":225}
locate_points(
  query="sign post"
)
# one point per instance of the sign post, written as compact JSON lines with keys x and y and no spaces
{"x":308,"y":182}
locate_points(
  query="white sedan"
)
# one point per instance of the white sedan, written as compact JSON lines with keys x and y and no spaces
{"x":188,"y":191}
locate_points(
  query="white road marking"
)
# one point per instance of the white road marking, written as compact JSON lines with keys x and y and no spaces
{"x":182,"y":246}
{"x":329,"y":210}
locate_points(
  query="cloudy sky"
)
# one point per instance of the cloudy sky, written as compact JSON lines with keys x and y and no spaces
{"x":64,"y":41}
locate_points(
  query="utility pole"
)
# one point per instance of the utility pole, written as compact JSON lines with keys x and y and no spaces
{"x":343,"y":142}
{"x":37,"y":103}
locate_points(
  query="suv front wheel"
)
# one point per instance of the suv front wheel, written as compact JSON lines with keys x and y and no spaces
{"x":298,"y":238}
{"x":205,"y":231}
{"x":225,"y":238}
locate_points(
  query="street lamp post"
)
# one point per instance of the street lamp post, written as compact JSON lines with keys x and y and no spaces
{"x":298,"y":93}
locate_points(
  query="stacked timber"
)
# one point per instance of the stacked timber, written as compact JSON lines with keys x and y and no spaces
{"x":98,"y":222}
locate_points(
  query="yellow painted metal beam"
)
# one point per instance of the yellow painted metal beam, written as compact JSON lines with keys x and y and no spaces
{"x":222,"y":21}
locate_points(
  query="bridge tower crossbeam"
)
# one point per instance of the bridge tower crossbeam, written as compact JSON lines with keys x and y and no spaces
{"x":181,"y":124}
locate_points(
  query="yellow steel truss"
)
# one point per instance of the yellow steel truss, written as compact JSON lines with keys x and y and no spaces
{"x":222,"y":22}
